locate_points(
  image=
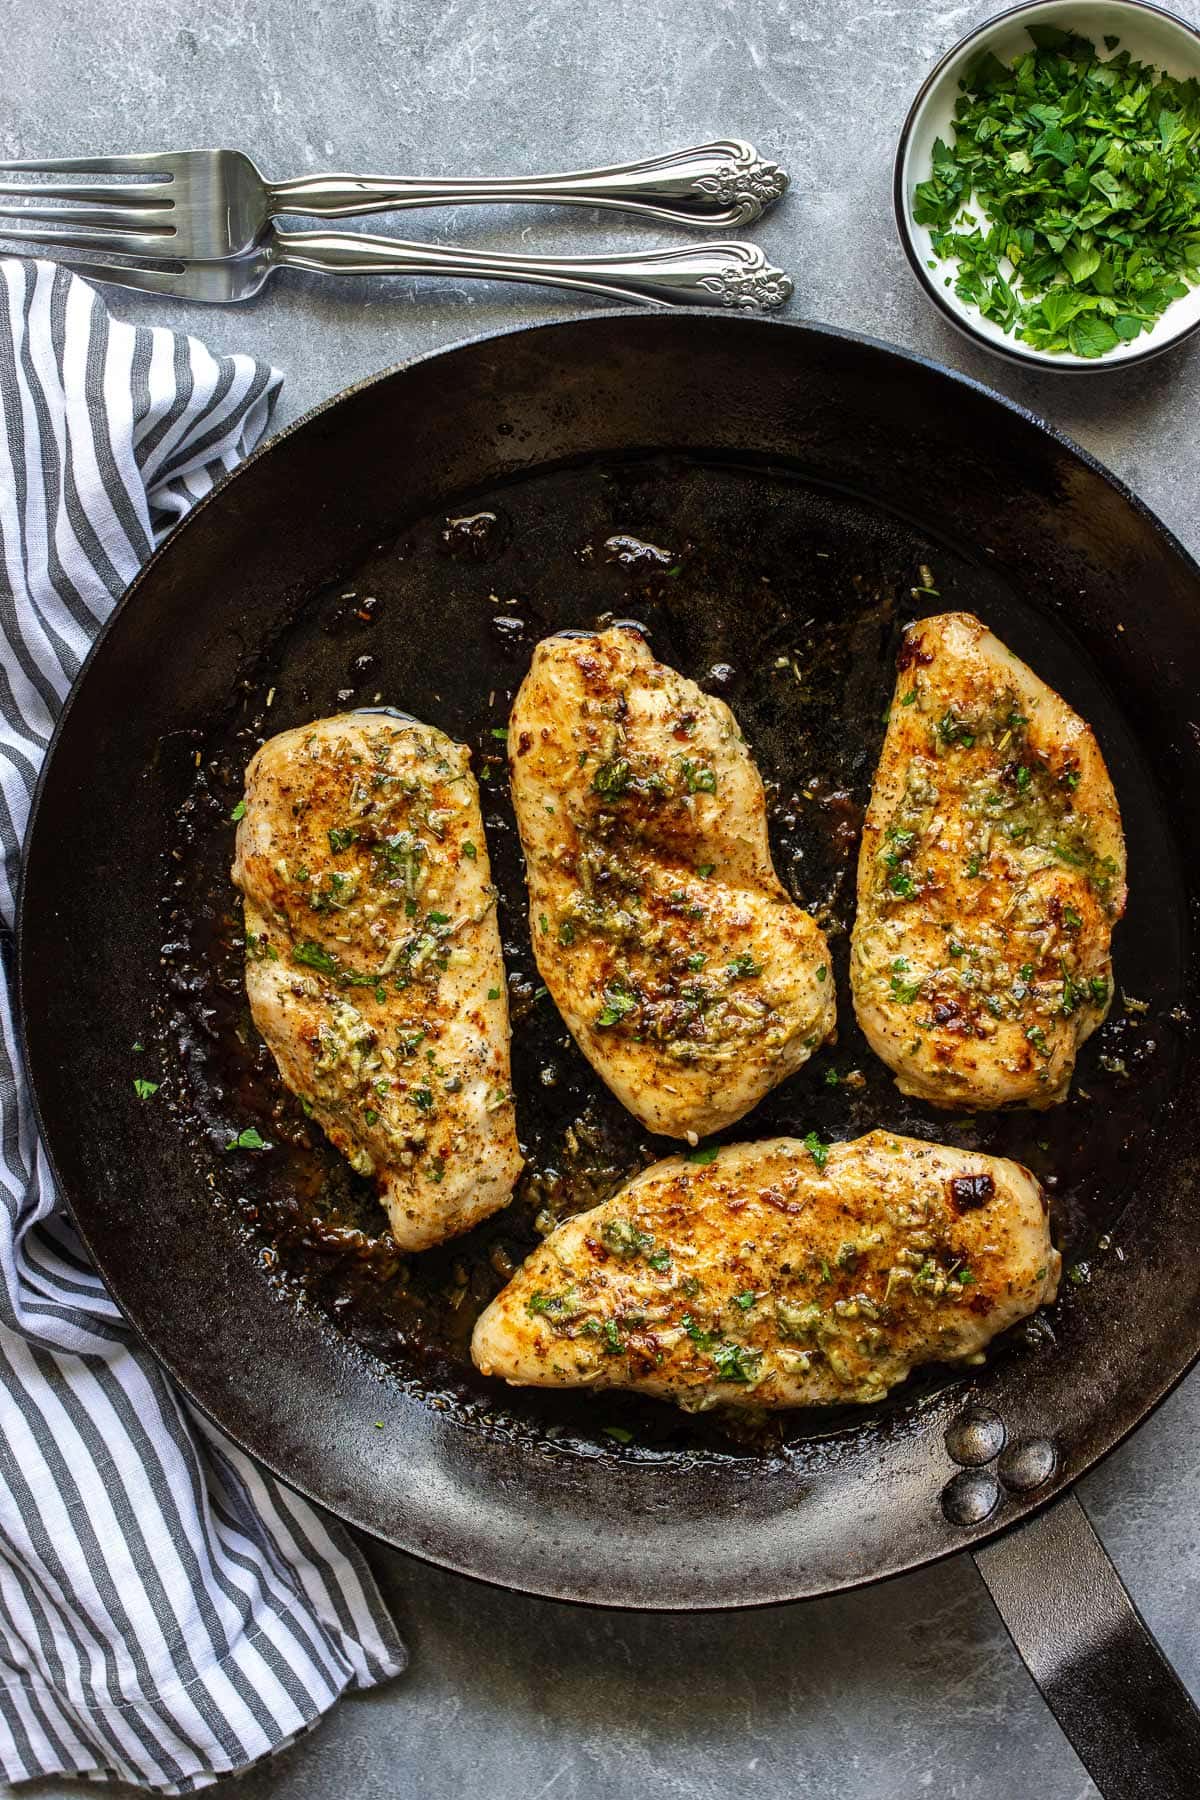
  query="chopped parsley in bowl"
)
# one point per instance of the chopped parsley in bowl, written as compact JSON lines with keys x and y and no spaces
{"x":1048,"y":183}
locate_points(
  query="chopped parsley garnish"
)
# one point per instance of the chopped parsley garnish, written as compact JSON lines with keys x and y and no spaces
{"x":551,"y":1303}
{"x":743,"y":967}
{"x":500,"y":731}
{"x":1071,"y":919}
{"x":239,"y":811}
{"x":703,"y":1340}
{"x":370,"y":1116}
{"x":703,"y":1153}
{"x":422,"y":1099}
{"x":144,"y":1089}
{"x":618,"y":1433}
{"x":314,"y":956}
{"x":623,"y":1238}
{"x":249,"y":1139}
{"x":705,"y":870}
{"x":736,"y":1362}
{"x":493,"y":993}
{"x":470,"y":850}
{"x":616,"y":1004}
{"x":660,"y":1260}
{"x":816,"y":1149}
{"x":698,"y":778}
{"x":822,"y":972}
{"x":901,"y":884}
{"x":341,"y":837}
{"x":906,"y":991}
{"x":1085,"y":172}
{"x":950,"y":730}
{"x":566,"y":931}
{"x":612,"y":778}
{"x":746,"y":1300}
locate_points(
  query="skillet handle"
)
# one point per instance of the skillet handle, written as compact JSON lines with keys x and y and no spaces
{"x":1129,"y":1718}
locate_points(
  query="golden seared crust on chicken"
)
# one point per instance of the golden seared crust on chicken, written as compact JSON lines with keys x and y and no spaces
{"x":687,"y":976}
{"x":767,"y":1278}
{"x":991,"y":874}
{"x":373,"y":961}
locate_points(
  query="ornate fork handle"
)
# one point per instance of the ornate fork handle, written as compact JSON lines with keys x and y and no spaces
{"x":724,"y":183}
{"x":724,"y":274}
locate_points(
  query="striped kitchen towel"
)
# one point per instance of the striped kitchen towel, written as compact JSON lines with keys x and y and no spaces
{"x":168,"y":1611}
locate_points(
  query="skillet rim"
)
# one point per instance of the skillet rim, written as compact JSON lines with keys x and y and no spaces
{"x":1019,"y":1508}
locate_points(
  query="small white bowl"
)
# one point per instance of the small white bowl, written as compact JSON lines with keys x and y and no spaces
{"x":1152,"y":36}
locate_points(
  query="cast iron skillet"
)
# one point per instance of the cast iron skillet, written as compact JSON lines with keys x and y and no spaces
{"x":807,"y":487}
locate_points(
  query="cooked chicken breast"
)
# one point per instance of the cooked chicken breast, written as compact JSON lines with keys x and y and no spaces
{"x":373,"y":961}
{"x":991,"y":874}
{"x":686,"y":975}
{"x":768,"y":1277}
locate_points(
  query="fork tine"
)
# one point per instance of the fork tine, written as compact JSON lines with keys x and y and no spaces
{"x":85,"y":165}
{"x":102,"y":217}
{"x":147,"y":194}
{"x":138,"y":242}
{"x":143,"y":281}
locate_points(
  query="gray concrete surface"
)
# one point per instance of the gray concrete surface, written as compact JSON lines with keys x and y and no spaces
{"x":904,"y":1691}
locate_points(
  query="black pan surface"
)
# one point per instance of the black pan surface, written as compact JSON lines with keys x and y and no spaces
{"x":773,"y":504}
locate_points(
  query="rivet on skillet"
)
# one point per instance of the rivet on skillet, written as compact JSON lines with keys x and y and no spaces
{"x":975,"y":1437}
{"x":1027,"y":1464}
{"x":970,"y":1497}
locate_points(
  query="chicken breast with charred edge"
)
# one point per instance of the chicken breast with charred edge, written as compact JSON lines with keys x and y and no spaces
{"x":991,"y":875}
{"x":686,"y":974}
{"x":373,"y":961}
{"x":764,"y":1279}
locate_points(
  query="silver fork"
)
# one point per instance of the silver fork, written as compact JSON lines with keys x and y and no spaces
{"x":723,"y":274}
{"x":206,"y":204}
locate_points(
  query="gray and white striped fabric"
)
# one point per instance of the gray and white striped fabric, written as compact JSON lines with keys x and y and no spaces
{"x":168,"y":1612}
